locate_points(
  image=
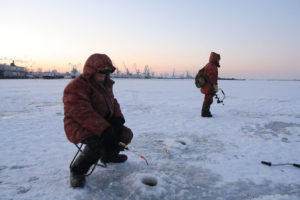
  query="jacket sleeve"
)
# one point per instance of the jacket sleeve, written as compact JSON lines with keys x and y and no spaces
{"x":78,"y":106}
{"x":117,"y":110}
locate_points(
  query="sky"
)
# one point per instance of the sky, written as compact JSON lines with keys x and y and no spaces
{"x":256,"y":39}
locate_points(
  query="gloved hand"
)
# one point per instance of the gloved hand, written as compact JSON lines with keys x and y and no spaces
{"x":117,"y":123}
{"x":216,"y":88}
{"x":109,"y":140}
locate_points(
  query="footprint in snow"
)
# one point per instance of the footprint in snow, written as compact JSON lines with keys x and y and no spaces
{"x":22,"y":189}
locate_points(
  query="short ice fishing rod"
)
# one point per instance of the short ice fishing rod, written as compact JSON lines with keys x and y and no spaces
{"x":123,"y":145}
{"x":281,"y":164}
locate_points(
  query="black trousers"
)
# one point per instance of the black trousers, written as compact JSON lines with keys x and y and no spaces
{"x":95,"y":143}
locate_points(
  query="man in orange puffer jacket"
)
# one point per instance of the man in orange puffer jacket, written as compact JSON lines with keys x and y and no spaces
{"x":211,"y":86}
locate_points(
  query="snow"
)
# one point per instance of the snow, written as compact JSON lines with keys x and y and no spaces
{"x":189,"y":157}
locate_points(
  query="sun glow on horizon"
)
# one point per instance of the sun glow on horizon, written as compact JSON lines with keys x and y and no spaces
{"x":166,"y":36}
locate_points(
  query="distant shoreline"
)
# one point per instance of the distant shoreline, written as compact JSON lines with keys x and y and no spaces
{"x":153,"y":78}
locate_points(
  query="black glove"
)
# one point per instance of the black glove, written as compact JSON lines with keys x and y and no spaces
{"x":117,"y":123}
{"x":109,"y":140}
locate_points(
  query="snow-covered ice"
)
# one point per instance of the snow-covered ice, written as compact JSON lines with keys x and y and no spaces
{"x":189,"y":157}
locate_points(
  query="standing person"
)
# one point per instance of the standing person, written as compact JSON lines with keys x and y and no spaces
{"x":211,"y":86}
{"x":93,"y":117}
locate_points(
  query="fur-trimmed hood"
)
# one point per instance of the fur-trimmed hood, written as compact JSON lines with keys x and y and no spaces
{"x":96,"y":63}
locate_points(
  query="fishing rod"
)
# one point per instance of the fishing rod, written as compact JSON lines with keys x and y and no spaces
{"x":123,"y":145}
{"x":279,"y":164}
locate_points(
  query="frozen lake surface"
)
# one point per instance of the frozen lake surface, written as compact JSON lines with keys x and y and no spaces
{"x":190,"y":157}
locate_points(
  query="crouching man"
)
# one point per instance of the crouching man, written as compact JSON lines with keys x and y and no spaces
{"x":93,"y":117}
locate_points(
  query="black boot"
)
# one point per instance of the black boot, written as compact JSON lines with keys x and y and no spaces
{"x":206,"y":111}
{"x":206,"y":114}
{"x":77,"y":180}
{"x":81,"y":166}
{"x":113,"y":157}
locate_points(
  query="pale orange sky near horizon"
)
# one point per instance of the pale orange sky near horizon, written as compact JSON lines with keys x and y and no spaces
{"x":257,"y":39}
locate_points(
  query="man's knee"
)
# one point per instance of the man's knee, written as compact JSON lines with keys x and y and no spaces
{"x":126,"y":135}
{"x":94,"y":143}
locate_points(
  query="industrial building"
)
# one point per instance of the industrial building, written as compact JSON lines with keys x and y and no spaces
{"x":12,"y":71}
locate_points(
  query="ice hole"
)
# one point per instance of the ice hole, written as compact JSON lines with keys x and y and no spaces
{"x":151,"y":181}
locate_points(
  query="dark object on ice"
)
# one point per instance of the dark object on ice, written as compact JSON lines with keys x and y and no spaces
{"x":281,"y":164}
{"x":182,"y":142}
